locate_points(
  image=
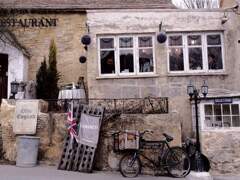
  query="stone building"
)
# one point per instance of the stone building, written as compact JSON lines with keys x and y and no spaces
{"x":125,"y":61}
{"x":228,"y":3}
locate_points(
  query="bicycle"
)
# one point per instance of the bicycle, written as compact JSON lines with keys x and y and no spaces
{"x":173,"y":159}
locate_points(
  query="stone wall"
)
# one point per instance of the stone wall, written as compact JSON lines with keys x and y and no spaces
{"x":163,"y":83}
{"x":50,"y":130}
{"x":159,"y":123}
{"x":67,"y":35}
{"x":223,"y":150}
{"x":53,"y":130}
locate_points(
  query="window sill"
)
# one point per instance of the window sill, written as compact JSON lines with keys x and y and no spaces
{"x":198,"y":74}
{"x":128,"y":76}
{"x":231,"y":129}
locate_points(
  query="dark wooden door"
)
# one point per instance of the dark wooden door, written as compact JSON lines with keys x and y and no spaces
{"x":3,"y":76}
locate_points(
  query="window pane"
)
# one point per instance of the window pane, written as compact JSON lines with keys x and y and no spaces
{"x":214,"y":39}
{"x":226,"y":109}
{"x":145,"y":60}
{"x":195,"y":58}
{"x":194,"y":40}
{"x":215,"y":58}
{"x":126,"y":42}
{"x":209,"y":121}
{"x":126,"y":61}
{"x":175,"y":41}
{"x":217,"y":110}
{"x":235,"y":109}
{"x":208,"y":110}
{"x":145,"y":41}
{"x":107,"y":62}
{"x":176,"y":59}
{"x":218,"y":121}
{"x":235,"y":121}
{"x":106,"y":43}
{"x":227,"y":121}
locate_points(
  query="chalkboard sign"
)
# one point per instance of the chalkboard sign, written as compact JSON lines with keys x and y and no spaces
{"x":25,"y":121}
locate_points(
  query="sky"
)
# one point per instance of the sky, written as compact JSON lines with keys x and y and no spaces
{"x":179,"y":2}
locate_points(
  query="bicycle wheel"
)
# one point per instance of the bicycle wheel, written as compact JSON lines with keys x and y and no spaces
{"x":177,"y":162}
{"x":130,"y":166}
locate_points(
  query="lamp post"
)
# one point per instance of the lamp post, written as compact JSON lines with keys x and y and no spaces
{"x":193,"y":92}
{"x":14,"y":89}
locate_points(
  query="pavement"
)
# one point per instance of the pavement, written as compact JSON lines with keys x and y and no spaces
{"x":10,"y":172}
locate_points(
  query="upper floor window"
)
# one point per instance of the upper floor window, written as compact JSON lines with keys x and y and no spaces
{"x":126,"y":55}
{"x":195,"y":52}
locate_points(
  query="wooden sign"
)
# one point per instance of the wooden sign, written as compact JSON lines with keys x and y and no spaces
{"x":25,"y":121}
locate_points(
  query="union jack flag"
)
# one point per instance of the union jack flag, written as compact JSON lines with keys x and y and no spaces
{"x":72,"y":126}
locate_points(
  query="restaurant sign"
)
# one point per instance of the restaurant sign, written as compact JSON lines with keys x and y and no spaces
{"x":25,"y":121}
{"x":28,"y":22}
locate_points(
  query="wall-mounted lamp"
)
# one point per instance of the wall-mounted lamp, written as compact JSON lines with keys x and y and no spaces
{"x":14,"y":89}
{"x":161,"y":37}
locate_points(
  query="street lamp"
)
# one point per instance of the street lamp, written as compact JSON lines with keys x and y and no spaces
{"x":193,"y":92}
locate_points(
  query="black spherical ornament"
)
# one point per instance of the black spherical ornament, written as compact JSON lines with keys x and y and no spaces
{"x":86,"y":40}
{"x":162,"y":37}
{"x":82,"y":59}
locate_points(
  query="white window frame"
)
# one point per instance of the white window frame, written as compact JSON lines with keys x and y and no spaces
{"x":118,"y":55}
{"x":135,"y":55}
{"x":99,"y":56}
{"x":202,"y":117}
{"x":204,"y":46}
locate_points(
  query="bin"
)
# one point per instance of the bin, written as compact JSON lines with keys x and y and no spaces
{"x":27,"y":151}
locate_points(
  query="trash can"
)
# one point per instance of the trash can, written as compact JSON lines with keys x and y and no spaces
{"x":27,"y":151}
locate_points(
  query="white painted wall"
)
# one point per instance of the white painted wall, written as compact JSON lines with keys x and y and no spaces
{"x":17,"y":63}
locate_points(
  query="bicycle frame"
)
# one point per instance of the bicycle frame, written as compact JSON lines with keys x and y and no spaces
{"x":163,"y":147}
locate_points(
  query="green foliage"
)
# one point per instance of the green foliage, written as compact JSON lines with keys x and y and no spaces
{"x":53,"y":74}
{"x":41,"y":79}
{"x":48,"y":77}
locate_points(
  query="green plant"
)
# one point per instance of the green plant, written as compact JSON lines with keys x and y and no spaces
{"x":53,"y":74}
{"x":41,"y":78}
{"x":48,"y":76}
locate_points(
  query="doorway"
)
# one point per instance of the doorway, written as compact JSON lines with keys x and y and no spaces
{"x":3,"y":76}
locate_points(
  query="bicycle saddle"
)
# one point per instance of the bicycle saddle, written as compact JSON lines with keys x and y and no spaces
{"x":168,"y":138}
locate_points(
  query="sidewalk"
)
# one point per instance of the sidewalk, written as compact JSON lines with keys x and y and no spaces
{"x":8,"y":172}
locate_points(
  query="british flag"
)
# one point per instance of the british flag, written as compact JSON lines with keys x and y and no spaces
{"x":72,"y":126}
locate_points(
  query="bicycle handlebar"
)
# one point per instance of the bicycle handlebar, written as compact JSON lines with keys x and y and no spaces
{"x":140,"y":133}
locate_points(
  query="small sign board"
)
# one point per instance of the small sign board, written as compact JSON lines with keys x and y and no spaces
{"x":223,"y":101}
{"x":25,"y":121}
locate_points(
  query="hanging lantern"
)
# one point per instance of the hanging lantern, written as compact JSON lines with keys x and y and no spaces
{"x":82,"y":59}
{"x":86,"y":40}
{"x":162,"y":37}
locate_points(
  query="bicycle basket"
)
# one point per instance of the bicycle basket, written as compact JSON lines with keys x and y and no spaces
{"x":126,"y":140}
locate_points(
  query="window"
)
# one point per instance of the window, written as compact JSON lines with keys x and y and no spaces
{"x":107,"y":56}
{"x":195,"y":52}
{"x":126,"y":55}
{"x":221,"y":115}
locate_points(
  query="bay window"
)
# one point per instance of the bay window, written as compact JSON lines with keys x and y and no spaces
{"x":126,"y":55}
{"x":195,"y":52}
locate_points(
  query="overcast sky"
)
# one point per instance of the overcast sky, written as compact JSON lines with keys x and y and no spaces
{"x":179,"y":2}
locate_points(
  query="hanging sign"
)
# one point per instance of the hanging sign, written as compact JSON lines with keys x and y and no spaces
{"x":28,"y":22}
{"x":25,"y":121}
